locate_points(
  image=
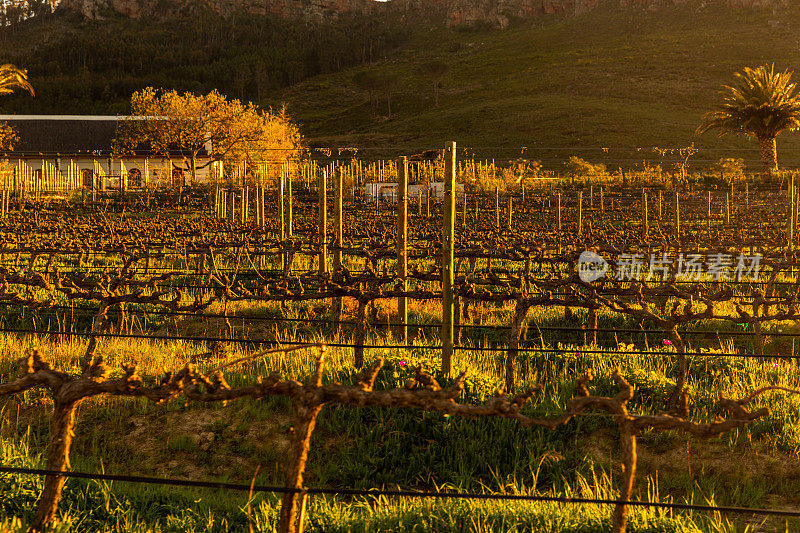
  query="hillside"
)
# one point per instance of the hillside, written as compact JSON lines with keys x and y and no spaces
{"x":623,"y":78}
{"x":609,"y":78}
{"x":93,"y":66}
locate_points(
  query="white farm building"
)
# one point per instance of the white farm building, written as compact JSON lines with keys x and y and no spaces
{"x":79,"y":148}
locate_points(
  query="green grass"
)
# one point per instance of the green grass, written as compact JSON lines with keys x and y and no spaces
{"x":388,"y":448}
{"x":101,"y":506}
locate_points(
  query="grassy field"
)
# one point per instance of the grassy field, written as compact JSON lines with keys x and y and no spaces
{"x":395,"y":448}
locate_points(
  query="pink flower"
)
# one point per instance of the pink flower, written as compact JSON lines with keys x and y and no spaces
{"x":577,"y":354}
{"x":402,"y":363}
{"x":667,"y":342}
{"x":775,"y":365}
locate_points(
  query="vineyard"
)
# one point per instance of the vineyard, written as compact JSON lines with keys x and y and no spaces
{"x":306,"y":351}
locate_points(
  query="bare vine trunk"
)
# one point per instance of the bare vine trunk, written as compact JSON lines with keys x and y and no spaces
{"x":628,"y":448}
{"x":305,"y":418}
{"x":520,"y":312}
{"x":457,"y":316}
{"x":61,"y":433}
{"x":98,"y":322}
{"x":683,"y":367}
{"x":590,"y":337}
{"x":361,"y":332}
{"x":336,"y":314}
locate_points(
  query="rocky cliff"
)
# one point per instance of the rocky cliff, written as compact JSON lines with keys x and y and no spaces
{"x":293,"y":9}
{"x":498,"y":13}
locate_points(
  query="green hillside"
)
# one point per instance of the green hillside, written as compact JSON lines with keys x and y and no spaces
{"x":610,"y":78}
{"x":80,"y":66}
{"x":623,"y":79}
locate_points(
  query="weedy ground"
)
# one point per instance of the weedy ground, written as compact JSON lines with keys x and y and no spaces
{"x":757,"y":466}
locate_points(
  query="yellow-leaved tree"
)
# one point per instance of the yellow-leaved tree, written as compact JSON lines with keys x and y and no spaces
{"x":211,"y":125}
{"x":11,"y":78}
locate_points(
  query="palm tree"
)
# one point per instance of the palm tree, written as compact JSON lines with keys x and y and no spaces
{"x":761,"y":104}
{"x":12,"y":78}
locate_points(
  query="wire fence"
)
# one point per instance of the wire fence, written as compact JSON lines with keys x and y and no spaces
{"x":374,"y":493}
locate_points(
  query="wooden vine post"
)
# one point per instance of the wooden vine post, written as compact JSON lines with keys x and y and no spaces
{"x":244,"y":206}
{"x":448,"y":258}
{"x":402,"y":244}
{"x":231,"y":204}
{"x":322,"y":230}
{"x":496,"y":207}
{"x":790,"y":227}
{"x":602,"y":204}
{"x":428,"y":203}
{"x":660,"y":203}
{"x":645,"y":222}
{"x":338,"y":230}
{"x":464,"y":209}
{"x":728,"y":208}
{"x":558,"y":209}
{"x":289,"y":208}
{"x":281,"y":205}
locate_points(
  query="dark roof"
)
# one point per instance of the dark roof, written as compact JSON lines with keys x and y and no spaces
{"x":72,"y":135}
{"x":51,"y":137}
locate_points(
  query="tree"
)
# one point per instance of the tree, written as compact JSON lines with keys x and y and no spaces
{"x":8,"y":137}
{"x":761,"y":103}
{"x":387,"y":84}
{"x":166,"y":122}
{"x":11,"y":78}
{"x":368,"y":81}
{"x":435,"y":70}
{"x":376,"y":83}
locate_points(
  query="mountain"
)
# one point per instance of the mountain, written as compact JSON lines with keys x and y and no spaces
{"x":80,"y":65}
{"x":606,"y":80}
{"x":288,"y":9}
{"x":455,"y":13}
{"x":610,"y":85}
